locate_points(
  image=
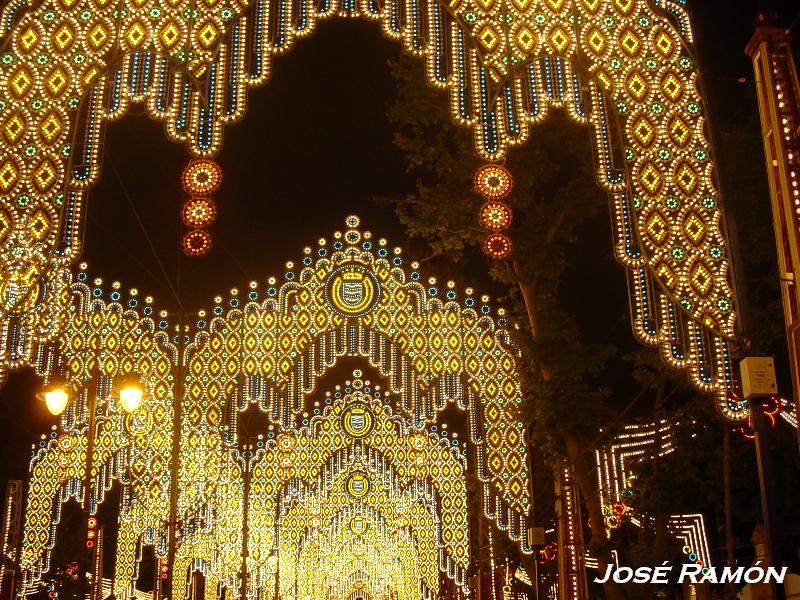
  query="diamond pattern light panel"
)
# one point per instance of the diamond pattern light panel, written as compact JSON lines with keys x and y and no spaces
{"x":70,"y":66}
{"x":365,"y":485}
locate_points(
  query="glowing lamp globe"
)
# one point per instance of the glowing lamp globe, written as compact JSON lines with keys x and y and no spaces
{"x":56,"y":400}
{"x":272,"y":563}
{"x":130,"y":397}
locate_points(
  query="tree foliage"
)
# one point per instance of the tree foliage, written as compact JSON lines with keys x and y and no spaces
{"x":573,"y":400}
{"x":555,"y":195}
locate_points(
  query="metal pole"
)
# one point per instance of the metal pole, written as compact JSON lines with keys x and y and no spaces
{"x":277,"y":575}
{"x":158,"y":582}
{"x":277,"y":554}
{"x":245,"y":524}
{"x":766,"y":483}
{"x":296,"y":569}
{"x":91,"y":402}
{"x":87,"y":476}
{"x":176,"y":449}
{"x":97,"y":567}
{"x":10,"y":539}
{"x":531,"y":511}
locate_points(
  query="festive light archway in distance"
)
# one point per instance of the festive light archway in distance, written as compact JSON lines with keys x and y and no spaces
{"x":69,"y":66}
{"x":365,"y":485}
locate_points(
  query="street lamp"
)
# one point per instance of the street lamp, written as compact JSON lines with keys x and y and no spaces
{"x":272,"y":568}
{"x":55,"y":396}
{"x":272,"y":562}
{"x":130,"y":394}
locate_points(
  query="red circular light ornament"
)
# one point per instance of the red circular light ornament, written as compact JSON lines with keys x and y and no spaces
{"x":202,"y":176}
{"x":495,"y":216}
{"x":197,"y":242}
{"x":497,"y":246}
{"x":493,"y":182}
{"x":199,"y":212}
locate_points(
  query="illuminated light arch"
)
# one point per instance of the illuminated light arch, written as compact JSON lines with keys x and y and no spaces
{"x":435,"y":348}
{"x":407,"y":477}
{"x":616,"y":482}
{"x":72,"y":65}
{"x":420,"y":553}
{"x":396,"y":562}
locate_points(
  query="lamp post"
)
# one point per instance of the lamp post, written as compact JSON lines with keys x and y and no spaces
{"x":759,"y":382}
{"x":272,"y":564}
{"x":56,"y":396}
{"x":246,"y":457}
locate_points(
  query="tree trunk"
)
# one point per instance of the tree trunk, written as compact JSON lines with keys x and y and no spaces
{"x":598,"y":542}
{"x":528,"y":289}
{"x":660,"y":519}
{"x":730,"y":556}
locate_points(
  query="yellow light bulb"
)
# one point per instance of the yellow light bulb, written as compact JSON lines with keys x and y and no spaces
{"x":56,"y":400}
{"x":272,"y":563}
{"x":130,"y":396}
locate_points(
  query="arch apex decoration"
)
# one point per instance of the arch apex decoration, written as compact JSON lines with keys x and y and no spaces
{"x":366,"y":463}
{"x":623,"y":67}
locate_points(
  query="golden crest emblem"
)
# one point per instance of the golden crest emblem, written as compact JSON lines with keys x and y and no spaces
{"x":358,"y":420}
{"x":352,"y":290}
{"x":358,"y":485}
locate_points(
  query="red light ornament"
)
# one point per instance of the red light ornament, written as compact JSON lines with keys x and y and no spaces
{"x":497,"y":246}
{"x":199,"y":212}
{"x":201,"y":177}
{"x":91,"y":533}
{"x":494,"y":182}
{"x":495,"y":216}
{"x":197,"y":242}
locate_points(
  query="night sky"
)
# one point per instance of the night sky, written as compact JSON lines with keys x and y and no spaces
{"x":314,"y":146}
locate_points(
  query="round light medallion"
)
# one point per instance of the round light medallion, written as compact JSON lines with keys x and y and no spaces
{"x":497,"y":246}
{"x":357,"y":485}
{"x":139,"y":423}
{"x":493,"y":182}
{"x":201,"y":177}
{"x":197,"y":242}
{"x":352,"y":290}
{"x":199,"y":212}
{"x":358,"y":420}
{"x":358,"y":525}
{"x":495,"y":216}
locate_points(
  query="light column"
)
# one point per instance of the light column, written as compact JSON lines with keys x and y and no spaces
{"x":779,"y":105}
{"x":572,"y":584}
